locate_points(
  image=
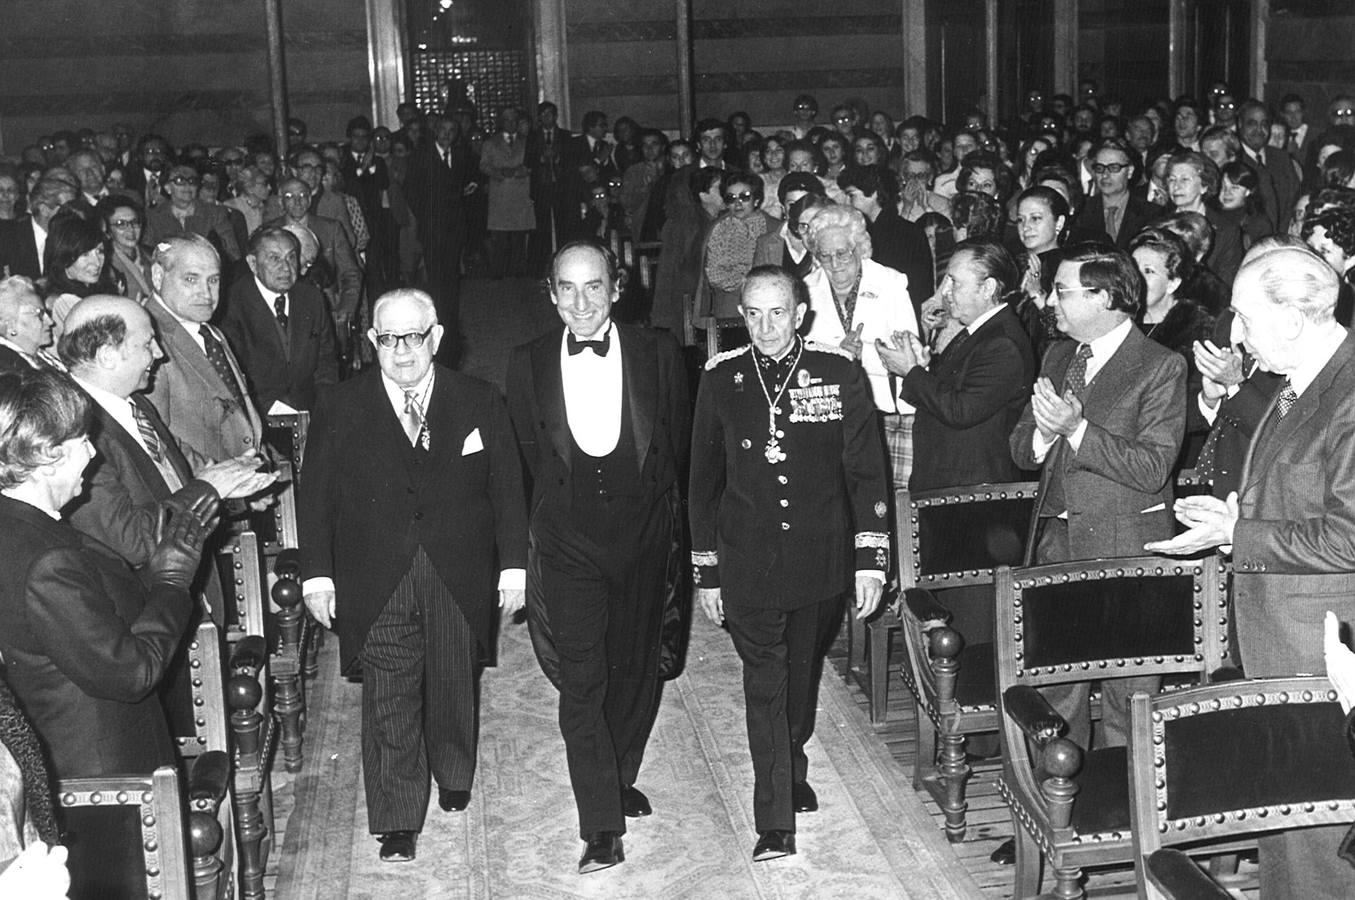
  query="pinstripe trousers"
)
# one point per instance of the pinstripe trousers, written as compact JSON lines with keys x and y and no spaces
{"x":420,"y":699}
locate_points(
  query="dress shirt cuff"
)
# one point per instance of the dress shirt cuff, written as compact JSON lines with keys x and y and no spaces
{"x":1039,"y":447}
{"x":1210,"y":413}
{"x":318,"y":585}
{"x":1075,"y":439}
{"x":513,"y":580}
{"x":871,"y":573}
{"x":706,"y":568}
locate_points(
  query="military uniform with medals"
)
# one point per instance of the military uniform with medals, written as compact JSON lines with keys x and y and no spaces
{"x":788,"y":505}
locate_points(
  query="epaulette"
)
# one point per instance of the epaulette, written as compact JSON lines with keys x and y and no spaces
{"x":828,"y":348}
{"x":727,"y":355}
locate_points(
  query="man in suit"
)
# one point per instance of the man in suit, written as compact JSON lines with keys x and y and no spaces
{"x":440,"y":178}
{"x":109,"y":346}
{"x":413,"y":488}
{"x":366,"y":177}
{"x":145,"y":174}
{"x":602,"y":417}
{"x":1300,"y":134}
{"x":86,"y":640}
{"x":345,"y":292}
{"x":1279,"y":173}
{"x":1292,"y":525}
{"x":23,"y":241}
{"x":970,"y":397}
{"x":1104,"y":425}
{"x":1114,"y":209}
{"x":185,"y":214}
{"x":200,"y":390}
{"x":895,"y":242}
{"x":786,"y":468}
{"x":25,"y":326}
{"x":278,"y":326}
{"x":553,"y":187}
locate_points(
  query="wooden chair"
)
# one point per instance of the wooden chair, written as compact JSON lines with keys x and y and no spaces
{"x":142,"y":836}
{"x":1078,"y":622}
{"x":287,"y":435}
{"x":1211,"y":765}
{"x":1177,"y":877}
{"x":948,"y":538}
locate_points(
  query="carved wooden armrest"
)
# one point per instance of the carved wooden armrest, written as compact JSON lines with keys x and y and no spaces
{"x":1174,"y":872}
{"x":925,"y":608}
{"x":1031,"y":711}
{"x":209,"y":779}
{"x":1226,"y":673}
{"x":249,"y":655}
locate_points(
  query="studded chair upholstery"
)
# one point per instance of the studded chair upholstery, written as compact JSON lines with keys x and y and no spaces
{"x":1211,"y":765}
{"x":142,"y":836}
{"x":948,"y":538}
{"x":1078,"y":622}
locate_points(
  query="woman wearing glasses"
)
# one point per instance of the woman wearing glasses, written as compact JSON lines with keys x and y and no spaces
{"x":184,"y":214}
{"x":122,"y":220}
{"x":731,"y":245}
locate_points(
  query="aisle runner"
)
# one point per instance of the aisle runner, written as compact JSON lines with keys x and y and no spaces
{"x":871,"y":837}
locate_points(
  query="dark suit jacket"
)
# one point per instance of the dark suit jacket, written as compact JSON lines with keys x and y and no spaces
{"x":902,"y":246}
{"x":547,"y":162}
{"x":366,"y":185}
{"x":1294,"y":544}
{"x":207,"y":220}
{"x":968,"y":404}
{"x":1138,"y":212}
{"x":434,"y":193}
{"x":1280,"y":185}
{"x":18,"y":250}
{"x":371,"y":500}
{"x":13,"y":361}
{"x":1135,"y":409}
{"x":288,"y":367}
{"x":792,"y":534}
{"x":337,"y":252}
{"x":85,"y":643}
{"x":656,"y":385}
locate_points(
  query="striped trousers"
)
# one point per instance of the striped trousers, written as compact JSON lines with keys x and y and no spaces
{"x":420,"y":699}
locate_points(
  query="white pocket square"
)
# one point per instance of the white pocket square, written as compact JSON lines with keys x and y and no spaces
{"x":473,"y":443}
{"x":1158,"y":508}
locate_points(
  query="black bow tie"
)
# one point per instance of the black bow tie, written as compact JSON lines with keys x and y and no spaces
{"x":576,"y":346}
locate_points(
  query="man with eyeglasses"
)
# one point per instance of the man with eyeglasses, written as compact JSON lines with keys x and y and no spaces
{"x":602,"y":416}
{"x":804,"y":111}
{"x":309,"y":167}
{"x":1114,"y":208}
{"x":413,"y":490}
{"x":145,"y":172}
{"x":345,"y":292}
{"x":184,"y":214}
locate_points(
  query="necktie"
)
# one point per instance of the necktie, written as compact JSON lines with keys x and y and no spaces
{"x":216,"y":355}
{"x":1113,"y":220}
{"x":960,"y":337}
{"x":152,"y":190}
{"x":600,"y":347}
{"x":447,"y":157}
{"x":1288,"y":397}
{"x":148,"y":434}
{"x":280,"y":310}
{"x":416,"y":425}
{"x":1292,"y":144}
{"x":1076,"y":379}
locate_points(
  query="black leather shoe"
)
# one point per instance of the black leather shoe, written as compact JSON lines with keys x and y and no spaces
{"x":634,"y":803}
{"x":803,"y":798}
{"x":1005,"y":854}
{"x":397,"y":846}
{"x":603,"y":852}
{"x":773,"y":844}
{"x":453,"y":801}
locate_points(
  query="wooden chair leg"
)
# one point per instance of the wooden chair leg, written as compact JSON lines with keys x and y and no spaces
{"x":243,"y":695}
{"x":1068,"y":883}
{"x":878,"y":633}
{"x":954,"y":772}
{"x":1028,"y":861}
{"x":924,"y":761}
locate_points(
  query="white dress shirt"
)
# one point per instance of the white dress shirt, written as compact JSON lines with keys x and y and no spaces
{"x":592,"y":386}
{"x":40,"y":241}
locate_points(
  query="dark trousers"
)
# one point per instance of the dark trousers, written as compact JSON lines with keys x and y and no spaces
{"x":442,"y":264}
{"x":1072,"y":701}
{"x":603,"y":586}
{"x":782,"y":653}
{"x":420,"y":690}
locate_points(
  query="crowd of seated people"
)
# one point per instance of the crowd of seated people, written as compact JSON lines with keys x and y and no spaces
{"x":893,"y":227}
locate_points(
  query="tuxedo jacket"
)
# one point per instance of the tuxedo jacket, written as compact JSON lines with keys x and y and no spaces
{"x":18,"y":249}
{"x":197,"y":406}
{"x":288,"y":366}
{"x":1118,"y":485}
{"x":1294,"y":544}
{"x":1138,"y":213}
{"x":655,"y":383}
{"x":86,"y":644}
{"x":372,"y":500}
{"x":789,"y":534}
{"x":967,"y":405}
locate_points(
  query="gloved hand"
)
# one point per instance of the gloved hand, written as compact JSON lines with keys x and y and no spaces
{"x":180,"y":536}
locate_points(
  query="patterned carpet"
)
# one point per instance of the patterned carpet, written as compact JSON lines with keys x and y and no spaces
{"x":871,"y":837}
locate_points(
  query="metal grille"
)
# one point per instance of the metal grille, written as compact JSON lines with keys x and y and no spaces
{"x":491,"y":79}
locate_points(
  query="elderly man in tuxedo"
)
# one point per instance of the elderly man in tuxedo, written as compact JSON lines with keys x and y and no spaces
{"x":1291,"y":527}
{"x":200,"y":390}
{"x":601,"y":414}
{"x":413,"y":489}
{"x":788,"y":509}
{"x":279,"y":326}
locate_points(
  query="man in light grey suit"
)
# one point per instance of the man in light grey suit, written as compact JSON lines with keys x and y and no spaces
{"x":200,"y":390}
{"x":1292,"y":527}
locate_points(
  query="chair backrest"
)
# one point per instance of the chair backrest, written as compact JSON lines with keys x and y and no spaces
{"x":959,"y":536}
{"x":1220,"y":761}
{"x":1105,"y":618}
{"x":126,"y":836}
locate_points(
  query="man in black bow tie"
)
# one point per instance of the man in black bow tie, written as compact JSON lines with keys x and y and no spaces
{"x":602,"y":418}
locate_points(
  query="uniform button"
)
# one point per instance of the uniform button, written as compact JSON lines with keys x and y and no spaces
{"x":785,"y":526}
{"x":248,"y":441}
{"x":745,"y":444}
{"x":782,"y":479}
{"x":784,"y":503}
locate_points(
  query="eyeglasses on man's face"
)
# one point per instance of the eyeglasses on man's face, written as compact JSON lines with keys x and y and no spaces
{"x":412,"y":340}
{"x":182,"y":180}
{"x":1109,"y":168}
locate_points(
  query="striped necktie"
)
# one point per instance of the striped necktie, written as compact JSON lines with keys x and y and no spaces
{"x":149,"y":437}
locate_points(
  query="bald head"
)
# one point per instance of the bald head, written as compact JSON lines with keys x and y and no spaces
{"x":109,"y":342}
